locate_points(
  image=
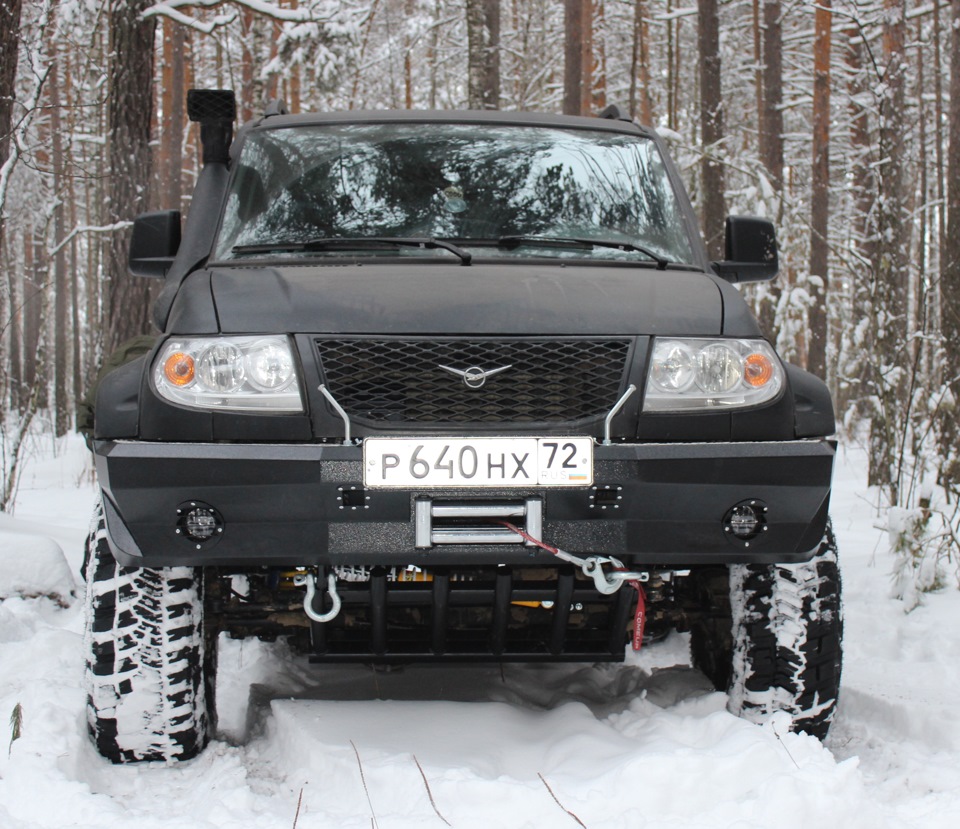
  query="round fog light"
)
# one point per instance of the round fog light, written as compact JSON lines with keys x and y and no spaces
{"x":198,"y":522}
{"x":745,"y":521}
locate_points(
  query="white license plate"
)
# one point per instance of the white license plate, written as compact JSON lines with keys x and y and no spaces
{"x":477,"y":462}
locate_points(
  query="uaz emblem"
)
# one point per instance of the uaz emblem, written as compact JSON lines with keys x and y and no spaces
{"x":474,"y":377}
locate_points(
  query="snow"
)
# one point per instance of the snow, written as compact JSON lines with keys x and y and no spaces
{"x":31,"y":564}
{"x":644,"y":744}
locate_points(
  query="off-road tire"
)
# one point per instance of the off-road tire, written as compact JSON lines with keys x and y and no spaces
{"x":771,"y":637}
{"x":148,"y":678}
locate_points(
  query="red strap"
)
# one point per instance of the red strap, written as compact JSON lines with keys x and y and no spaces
{"x":640,"y":616}
{"x":527,"y":537}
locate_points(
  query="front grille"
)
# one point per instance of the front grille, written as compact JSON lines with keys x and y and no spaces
{"x":400,"y":381}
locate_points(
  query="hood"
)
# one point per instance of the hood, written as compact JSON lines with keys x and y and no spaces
{"x":514,"y":298}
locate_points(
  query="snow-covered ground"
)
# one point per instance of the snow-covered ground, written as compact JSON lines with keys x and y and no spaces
{"x":640,"y":745}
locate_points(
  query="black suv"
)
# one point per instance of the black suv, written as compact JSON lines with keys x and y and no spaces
{"x":452,"y":386}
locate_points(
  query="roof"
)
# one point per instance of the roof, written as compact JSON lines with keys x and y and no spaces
{"x":414,"y":116}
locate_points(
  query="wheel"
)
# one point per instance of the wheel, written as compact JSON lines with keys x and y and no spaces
{"x":771,"y":637}
{"x":148,"y":681}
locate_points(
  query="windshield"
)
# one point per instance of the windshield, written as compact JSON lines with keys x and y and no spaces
{"x":303,"y":191}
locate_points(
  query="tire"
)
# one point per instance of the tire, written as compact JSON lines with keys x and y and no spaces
{"x":147,"y":677}
{"x":771,"y":637}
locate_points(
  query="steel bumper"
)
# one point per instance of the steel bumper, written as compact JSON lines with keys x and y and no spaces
{"x":652,"y":505}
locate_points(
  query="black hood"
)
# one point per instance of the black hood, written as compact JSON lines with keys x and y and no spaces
{"x":441,"y":298}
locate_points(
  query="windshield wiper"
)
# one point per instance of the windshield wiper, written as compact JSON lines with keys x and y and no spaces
{"x":360,"y":243}
{"x":567,"y":243}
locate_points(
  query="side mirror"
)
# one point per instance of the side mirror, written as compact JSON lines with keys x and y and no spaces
{"x":751,"y":250}
{"x":154,"y":243}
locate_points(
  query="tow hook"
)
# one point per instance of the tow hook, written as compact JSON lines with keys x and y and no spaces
{"x":309,"y":581}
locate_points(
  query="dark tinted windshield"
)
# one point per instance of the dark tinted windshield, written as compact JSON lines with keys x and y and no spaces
{"x":463,"y":182}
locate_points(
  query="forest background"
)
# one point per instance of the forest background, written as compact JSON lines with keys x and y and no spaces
{"x":838,"y":120}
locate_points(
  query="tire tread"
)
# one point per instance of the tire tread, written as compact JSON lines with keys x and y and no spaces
{"x":144,"y":641}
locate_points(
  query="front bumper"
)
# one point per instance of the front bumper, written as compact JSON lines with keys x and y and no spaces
{"x":285,"y":504}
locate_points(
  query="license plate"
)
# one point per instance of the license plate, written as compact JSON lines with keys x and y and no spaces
{"x":413,"y":463}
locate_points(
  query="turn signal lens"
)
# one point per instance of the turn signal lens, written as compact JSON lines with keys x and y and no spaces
{"x":758,"y":369}
{"x":179,"y":369}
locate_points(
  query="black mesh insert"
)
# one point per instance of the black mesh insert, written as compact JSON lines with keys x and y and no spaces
{"x":400,"y":381}
{"x":211,"y":104}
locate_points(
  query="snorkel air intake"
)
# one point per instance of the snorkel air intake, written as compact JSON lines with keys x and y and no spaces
{"x":215,"y":110}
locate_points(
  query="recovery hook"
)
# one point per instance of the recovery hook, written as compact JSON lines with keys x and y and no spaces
{"x":309,"y":580}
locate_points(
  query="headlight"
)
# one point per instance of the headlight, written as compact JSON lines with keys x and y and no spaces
{"x":689,"y":374}
{"x":676,"y":369}
{"x":238,"y":373}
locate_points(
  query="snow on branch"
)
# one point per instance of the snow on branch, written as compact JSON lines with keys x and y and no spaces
{"x":18,"y":137}
{"x":111,"y":228}
{"x":676,"y":14}
{"x":207,"y":27}
{"x":170,"y":8}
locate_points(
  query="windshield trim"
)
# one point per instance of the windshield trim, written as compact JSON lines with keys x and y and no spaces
{"x":321,"y":259}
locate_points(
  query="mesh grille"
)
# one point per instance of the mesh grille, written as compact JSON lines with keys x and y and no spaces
{"x":211,"y":104}
{"x":400,"y":381}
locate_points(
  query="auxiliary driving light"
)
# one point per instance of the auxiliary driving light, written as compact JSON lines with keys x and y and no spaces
{"x":199,"y":523}
{"x":745,"y":521}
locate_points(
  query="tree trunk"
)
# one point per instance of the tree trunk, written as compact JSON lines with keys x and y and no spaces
{"x":9,"y":53}
{"x":771,"y":122}
{"x":587,"y":62}
{"x":172,"y":125}
{"x":820,"y":192}
{"x":294,"y":77}
{"x":129,"y":110}
{"x":950,"y":272}
{"x":673,"y":68}
{"x":862,"y":173}
{"x":433,"y":56}
{"x":408,"y":10}
{"x":586,"y":56}
{"x":640,"y":65}
{"x":247,"y":92}
{"x":758,"y":74}
{"x":856,"y":388}
{"x":14,"y":358}
{"x":572,"y":56}
{"x":769,"y":31}
{"x":711,"y":127}
{"x":61,"y":287}
{"x":96,"y":211}
{"x":938,"y":129}
{"x":37,"y":274}
{"x":74,"y":269}
{"x":483,"y":54}
{"x":891,"y":266}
